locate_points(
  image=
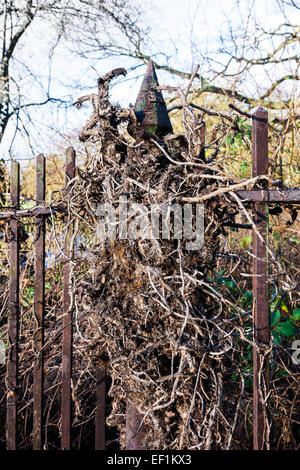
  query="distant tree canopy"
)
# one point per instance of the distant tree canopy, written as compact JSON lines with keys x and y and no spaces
{"x":250,"y":65}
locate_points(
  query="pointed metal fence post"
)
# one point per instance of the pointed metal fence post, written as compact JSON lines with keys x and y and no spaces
{"x":13,"y":318}
{"x":66,"y":404}
{"x":260,"y":279}
{"x":39,"y":305}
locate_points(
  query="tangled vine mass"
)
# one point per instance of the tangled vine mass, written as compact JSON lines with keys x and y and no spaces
{"x":148,"y":311}
{"x":170,"y":342}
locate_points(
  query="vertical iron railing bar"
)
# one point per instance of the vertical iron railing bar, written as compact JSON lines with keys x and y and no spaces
{"x":261,"y":315}
{"x":13,"y":320}
{"x":66,"y":403}
{"x":39,"y":305}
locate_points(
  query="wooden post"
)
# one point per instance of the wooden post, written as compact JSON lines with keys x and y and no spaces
{"x":13,"y":320}
{"x":260,"y":280}
{"x":66,"y":404}
{"x":39,"y":307}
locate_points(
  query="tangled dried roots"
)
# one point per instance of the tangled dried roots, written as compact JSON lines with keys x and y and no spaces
{"x":153,"y":319}
{"x":174,"y":347}
{"x":175,"y":344}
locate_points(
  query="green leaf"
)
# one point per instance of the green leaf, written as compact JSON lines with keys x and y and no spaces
{"x":296,"y":314}
{"x":248,"y":295}
{"x":275,"y":317}
{"x":273,"y":305}
{"x":276,"y":337}
{"x":229,"y":282}
{"x":286,"y":329}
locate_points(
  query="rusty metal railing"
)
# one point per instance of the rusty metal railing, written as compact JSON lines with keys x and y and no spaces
{"x":259,"y":197}
{"x":40,"y":213}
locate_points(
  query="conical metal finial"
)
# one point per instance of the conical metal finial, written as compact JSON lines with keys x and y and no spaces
{"x":150,"y":105}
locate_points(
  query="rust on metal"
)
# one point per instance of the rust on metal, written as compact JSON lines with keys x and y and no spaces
{"x":38,"y":308}
{"x":260,"y":281}
{"x":13,"y":319}
{"x":150,"y":106}
{"x":100,"y":409}
{"x":135,"y":431}
{"x":66,"y":405}
{"x":270,"y":195}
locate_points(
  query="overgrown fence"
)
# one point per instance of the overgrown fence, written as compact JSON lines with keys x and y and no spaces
{"x":261,"y":315}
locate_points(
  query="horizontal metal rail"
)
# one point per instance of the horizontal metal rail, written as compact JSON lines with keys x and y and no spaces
{"x":270,"y":195}
{"x":34,"y":212}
